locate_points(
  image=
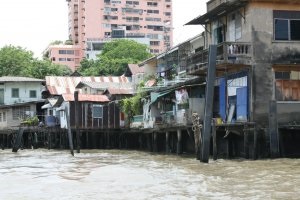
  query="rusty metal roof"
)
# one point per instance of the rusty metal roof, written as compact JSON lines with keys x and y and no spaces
{"x":86,"y":97}
{"x":58,"y":85}
{"x":135,"y":69}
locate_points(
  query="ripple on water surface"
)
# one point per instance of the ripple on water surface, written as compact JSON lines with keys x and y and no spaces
{"x":113,"y":174}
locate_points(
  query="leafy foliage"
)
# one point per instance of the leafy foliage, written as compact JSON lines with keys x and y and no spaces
{"x":115,"y":57}
{"x":31,"y":121}
{"x":17,"y":61}
{"x":132,"y":106}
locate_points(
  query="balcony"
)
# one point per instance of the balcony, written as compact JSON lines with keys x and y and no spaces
{"x":229,"y":54}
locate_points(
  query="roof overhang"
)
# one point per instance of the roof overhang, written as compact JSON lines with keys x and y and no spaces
{"x":221,"y":10}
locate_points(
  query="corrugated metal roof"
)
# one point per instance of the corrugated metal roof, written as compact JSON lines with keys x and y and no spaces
{"x":19,"y":79}
{"x":135,"y":69}
{"x":120,"y":90}
{"x":86,"y":97}
{"x":58,"y":85}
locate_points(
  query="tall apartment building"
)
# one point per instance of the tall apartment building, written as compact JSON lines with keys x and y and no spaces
{"x":94,"y":22}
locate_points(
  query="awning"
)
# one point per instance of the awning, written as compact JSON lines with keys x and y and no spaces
{"x":48,"y":105}
{"x":155,"y":95}
{"x":221,"y":10}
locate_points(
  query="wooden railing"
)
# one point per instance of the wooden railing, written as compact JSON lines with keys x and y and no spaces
{"x":227,"y":53}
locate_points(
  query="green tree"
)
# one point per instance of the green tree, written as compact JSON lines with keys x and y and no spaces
{"x":14,"y":60}
{"x":42,"y":68}
{"x":115,"y":57}
{"x":17,"y":61}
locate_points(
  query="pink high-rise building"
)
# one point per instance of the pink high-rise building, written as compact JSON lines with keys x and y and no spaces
{"x":69,"y":55}
{"x":93,"y":22}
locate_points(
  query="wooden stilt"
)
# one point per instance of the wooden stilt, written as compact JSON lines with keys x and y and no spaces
{"x":209,"y":96}
{"x":167,"y":142}
{"x":214,"y":135}
{"x":77,"y":121}
{"x":155,"y":142}
{"x":273,"y":130}
{"x":246,"y":142}
{"x":254,"y":144}
{"x":179,"y":142}
{"x":281,"y":144}
{"x":18,"y":140}
{"x":49,"y":140}
{"x":69,"y":132}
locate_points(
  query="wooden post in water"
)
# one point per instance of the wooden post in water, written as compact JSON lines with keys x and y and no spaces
{"x":49,"y":139}
{"x":167,"y":142}
{"x":254,"y":143}
{"x":209,"y":96}
{"x":69,"y":132}
{"x":214,"y":134}
{"x":155,"y":142}
{"x":18,"y":140}
{"x":246,"y":142}
{"x":273,"y":130}
{"x":77,"y":121}
{"x":179,"y":141}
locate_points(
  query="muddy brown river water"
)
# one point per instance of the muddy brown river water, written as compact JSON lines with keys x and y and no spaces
{"x":113,"y":174}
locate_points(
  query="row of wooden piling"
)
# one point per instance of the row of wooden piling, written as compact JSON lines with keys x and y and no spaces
{"x":176,"y":141}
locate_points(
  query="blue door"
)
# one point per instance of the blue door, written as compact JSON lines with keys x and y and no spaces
{"x":222,"y":98}
{"x":242,"y":104}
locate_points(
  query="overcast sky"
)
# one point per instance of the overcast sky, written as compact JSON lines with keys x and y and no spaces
{"x":33,"y":24}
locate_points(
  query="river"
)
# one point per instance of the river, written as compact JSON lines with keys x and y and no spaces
{"x":113,"y":174}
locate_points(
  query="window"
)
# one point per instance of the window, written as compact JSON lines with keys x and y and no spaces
{"x":287,"y":25}
{"x":132,"y":3}
{"x":153,"y":11}
{"x":0,"y":117}
{"x":155,"y":28}
{"x":32,"y":93}
{"x":106,"y":25}
{"x":167,"y":13}
{"x":154,"y":50}
{"x":70,"y":52}
{"x":287,"y":85}
{"x":15,"y":92}
{"x":4,"y":116}
{"x":97,"y":111}
{"x":61,"y":59}
{"x":152,"y":4}
{"x":152,"y":19}
{"x":154,"y":43}
{"x":20,"y":112}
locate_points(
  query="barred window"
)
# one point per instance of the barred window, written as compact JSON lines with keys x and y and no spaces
{"x":20,"y":112}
